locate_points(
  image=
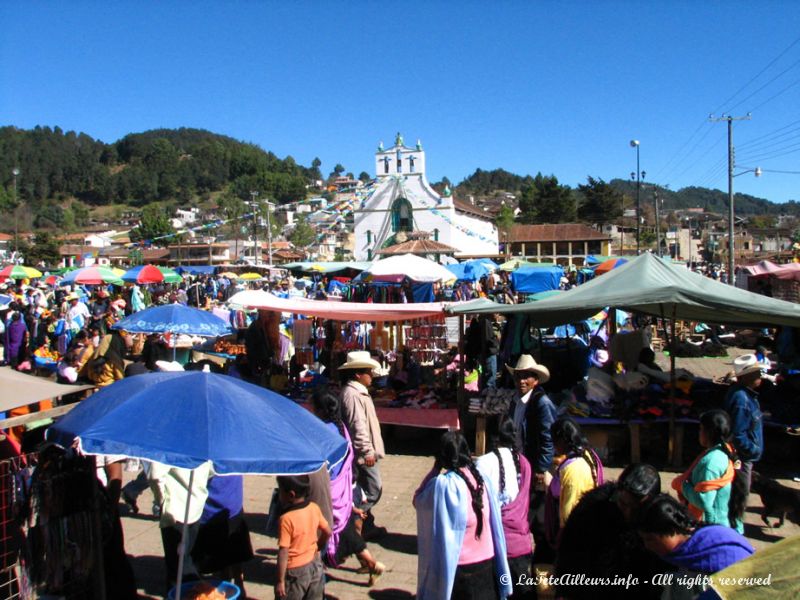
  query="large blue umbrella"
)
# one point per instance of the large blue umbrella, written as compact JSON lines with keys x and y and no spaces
{"x":174,"y":318}
{"x":185,"y":419}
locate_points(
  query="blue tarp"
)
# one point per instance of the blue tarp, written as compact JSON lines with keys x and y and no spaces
{"x":422,"y":292}
{"x":197,"y":270}
{"x":530,"y":280}
{"x":468,"y":271}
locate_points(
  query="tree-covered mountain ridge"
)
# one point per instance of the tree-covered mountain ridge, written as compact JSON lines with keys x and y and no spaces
{"x":161,"y":164}
{"x":486,"y":184}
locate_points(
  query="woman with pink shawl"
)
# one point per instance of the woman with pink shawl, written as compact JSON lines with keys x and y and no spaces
{"x":346,"y":539}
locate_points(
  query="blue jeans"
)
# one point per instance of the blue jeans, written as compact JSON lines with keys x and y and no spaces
{"x":490,"y":371}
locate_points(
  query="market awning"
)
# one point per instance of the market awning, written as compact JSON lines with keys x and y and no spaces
{"x":651,"y":286}
{"x":340,"y":311}
{"x":20,"y":389}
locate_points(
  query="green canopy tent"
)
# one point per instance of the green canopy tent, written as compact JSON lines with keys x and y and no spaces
{"x":653,"y":287}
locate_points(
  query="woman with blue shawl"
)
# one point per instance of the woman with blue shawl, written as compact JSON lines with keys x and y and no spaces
{"x":346,"y":540}
{"x":460,"y":542}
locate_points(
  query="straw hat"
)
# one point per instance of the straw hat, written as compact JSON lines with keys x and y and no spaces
{"x":746,"y":364}
{"x":360,"y":359}
{"x":72,"y":296}
{"x":527,"y":363}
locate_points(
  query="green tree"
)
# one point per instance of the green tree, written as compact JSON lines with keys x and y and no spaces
{"x":364,"y":176}
{"x":43,"y":251}
{"x":601,"y":203}
{"x":303,"y":234}
{"x":154,"y":223}
{"x":337,"y":171}
{"x":544,"y":200}
{"x":233,"y":208}
{"x":504,"y":219}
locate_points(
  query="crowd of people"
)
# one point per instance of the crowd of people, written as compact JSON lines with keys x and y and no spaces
{"x":539,"y":496}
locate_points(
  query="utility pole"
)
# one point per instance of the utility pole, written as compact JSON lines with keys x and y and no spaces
{"x":15,"y":172}
{"x":658,"y":225}
{"x":269,"y":235}
{"x":255,"y":224}
{"x":731,"y":165}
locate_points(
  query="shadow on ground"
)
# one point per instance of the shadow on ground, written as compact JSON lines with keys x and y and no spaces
{"x":398,"y":542}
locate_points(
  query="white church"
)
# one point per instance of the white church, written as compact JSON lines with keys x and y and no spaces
{"x":402,"y":201}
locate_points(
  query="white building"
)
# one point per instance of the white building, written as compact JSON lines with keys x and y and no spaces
{"x":403,"y":200}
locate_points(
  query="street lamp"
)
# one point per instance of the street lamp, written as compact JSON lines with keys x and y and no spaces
{"x":731,"y":218}
{"x":635,"y":144}
{"x":15,"y":172}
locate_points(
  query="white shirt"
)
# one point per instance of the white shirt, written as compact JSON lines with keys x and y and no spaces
{"x":519,"y":417}
{"x":489,"y":467}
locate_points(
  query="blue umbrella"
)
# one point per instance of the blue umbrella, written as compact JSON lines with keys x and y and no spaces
{"x":5,"y":299}
{"x":185,"y":419}
{"x":174,"y":318}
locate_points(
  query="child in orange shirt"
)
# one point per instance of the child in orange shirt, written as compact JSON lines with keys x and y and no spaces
{"x":303,"y":533}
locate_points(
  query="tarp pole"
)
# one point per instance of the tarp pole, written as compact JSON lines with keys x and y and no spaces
{"x":184,"y":532}
{"x":461,"y":361}
{"x":673,"y":458}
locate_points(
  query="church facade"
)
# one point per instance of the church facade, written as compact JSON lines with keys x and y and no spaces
{"x":401,"y":201}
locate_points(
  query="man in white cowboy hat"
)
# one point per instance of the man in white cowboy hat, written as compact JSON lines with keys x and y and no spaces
{"x":533,"y":413}
{"x":741,"y":402}
{"x":358,"y":414}
{"x":78,"y":313}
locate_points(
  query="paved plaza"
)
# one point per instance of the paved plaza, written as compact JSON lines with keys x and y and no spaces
{"x":408,"y":461}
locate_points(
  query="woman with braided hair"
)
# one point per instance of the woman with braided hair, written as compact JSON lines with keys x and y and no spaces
{"x":345,"y":539}
{"x":510,"y":473}
{"x":713,"y":486}
{"x":668,"y":530}
{"x":578,"y":470}
{"x":460,"y":540}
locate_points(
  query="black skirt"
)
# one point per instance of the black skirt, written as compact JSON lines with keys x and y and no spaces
{"x":222,"y":542}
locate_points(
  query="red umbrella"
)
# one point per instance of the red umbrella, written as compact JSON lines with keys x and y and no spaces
{"x":143,"y":274}
{"x":611,"y":263}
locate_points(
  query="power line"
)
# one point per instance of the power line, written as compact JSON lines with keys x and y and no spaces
{"x":764,"y":146}
{"x":771,"y":155}
{"x":779,"y":75}
{"x":767,"y":137}
{"x":771,"y":98}
{"x":664,"y":170}
{"x":756,"y":76}
{"x":686,"y":143}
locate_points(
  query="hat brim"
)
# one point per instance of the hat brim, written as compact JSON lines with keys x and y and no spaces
{"x":361,"y":364}
{"x":541,"y":371}
{"x":749,"y":370}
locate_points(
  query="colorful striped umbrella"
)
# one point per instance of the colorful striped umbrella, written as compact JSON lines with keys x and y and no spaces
{"x":92,"y":276}
{"x":610,"y":264}
{"x":19,"y":272}
{"x":170,"y":276}
{"x":143,"y":274}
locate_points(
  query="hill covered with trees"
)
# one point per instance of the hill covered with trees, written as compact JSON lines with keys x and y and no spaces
{"x":141,"y":168}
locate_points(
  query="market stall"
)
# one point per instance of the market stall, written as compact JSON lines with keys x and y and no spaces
{"x":415,"y":333}
{"x":647,"y":285}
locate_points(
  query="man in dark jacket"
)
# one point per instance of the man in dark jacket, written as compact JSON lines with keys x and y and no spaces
{"x":741,"y":403}
{"x":533,"y":414}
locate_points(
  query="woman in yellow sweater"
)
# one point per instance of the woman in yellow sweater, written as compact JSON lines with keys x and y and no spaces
{"x":578,"y":470}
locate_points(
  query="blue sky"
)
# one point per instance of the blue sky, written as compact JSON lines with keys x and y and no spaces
{"x":556,"y":87}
